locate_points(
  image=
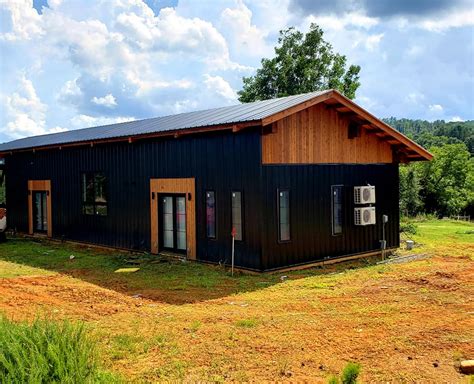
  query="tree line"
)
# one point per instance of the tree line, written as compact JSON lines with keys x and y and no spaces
{"x":445,"y":185}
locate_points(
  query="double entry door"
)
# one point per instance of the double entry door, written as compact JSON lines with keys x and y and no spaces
{"x":172,"y":214}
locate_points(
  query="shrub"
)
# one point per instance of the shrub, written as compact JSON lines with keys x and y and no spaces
{"x":47,"y":352}
{"x":349,"y":375}
{"x":408,"y":227}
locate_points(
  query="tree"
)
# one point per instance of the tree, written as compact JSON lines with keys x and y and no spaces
{"x":410,"y":202}
{"x":302,"y":63}
{"x":447,"y":182}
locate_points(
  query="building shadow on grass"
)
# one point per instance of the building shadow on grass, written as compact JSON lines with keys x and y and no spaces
{"x":156,"y":278}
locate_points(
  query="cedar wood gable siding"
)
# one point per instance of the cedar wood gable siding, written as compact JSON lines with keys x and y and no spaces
{"x":318,"y":135}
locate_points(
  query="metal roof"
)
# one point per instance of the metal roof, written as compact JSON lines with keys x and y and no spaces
{"x":211,"y":117}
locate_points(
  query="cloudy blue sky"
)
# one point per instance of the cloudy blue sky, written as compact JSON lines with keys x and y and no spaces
{"x":67,"y":64}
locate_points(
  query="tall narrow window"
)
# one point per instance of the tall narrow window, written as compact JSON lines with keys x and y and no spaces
{"x":283,"y":215}
{"x":336,"y":203}
{"x":237,"y":214}
{"x":210,"y":214}
{"x":94,"y":194}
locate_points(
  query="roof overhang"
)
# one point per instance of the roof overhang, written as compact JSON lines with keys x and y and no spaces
{"x":234,"y":127}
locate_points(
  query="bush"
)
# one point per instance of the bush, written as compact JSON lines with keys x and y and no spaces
{"x":349,"y":375}
{"x":408,"y":227}
{"x":47,"y":352}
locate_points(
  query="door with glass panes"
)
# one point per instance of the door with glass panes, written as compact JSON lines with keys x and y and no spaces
{"x":172,"y":214}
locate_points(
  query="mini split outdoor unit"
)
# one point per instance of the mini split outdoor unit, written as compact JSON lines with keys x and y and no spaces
{"x":364,"y":215}
{"x":364,"y":195}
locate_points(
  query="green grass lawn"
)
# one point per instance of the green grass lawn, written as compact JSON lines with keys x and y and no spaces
{"x":441,"y":236}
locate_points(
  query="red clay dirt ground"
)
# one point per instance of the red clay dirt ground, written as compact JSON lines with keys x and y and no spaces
{"x":403,"y":323}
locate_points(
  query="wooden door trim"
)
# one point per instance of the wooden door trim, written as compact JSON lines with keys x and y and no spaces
{"x":184,"y":186}
{"x":40,"y":185}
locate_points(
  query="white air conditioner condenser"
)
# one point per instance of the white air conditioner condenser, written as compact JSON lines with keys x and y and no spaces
{"x":364,"y":216}
{"x":364,"y":194}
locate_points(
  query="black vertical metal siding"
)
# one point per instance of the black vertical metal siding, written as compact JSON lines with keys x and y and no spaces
{"x":310,"y":211}
{"x":219,"y":161}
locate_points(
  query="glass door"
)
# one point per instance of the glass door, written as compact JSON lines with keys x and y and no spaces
{"x":40,"y":216}
{"x":173,"y":222}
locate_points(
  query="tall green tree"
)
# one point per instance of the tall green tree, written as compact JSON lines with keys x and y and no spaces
{"x":410,"y":202}
{"x":447,"y":182}
{"x":302,"y":63}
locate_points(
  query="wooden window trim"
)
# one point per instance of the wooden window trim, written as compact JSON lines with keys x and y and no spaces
{"x":332,"y":210}
{"x":278,"y":215}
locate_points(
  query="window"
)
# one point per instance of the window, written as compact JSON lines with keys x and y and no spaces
{"x":336,"y":204}
{"x":94,"y":194}
{"x":283,"y":215}
{"x":237,"y":214}
{"x":210,"y":214}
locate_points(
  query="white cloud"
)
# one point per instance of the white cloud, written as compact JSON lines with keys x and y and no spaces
{"x":373,"y":41}
{"x":20,"y":21}
{"x":25,"y":113}
{"x":435,"y":108}
{"x":456,"y":119}
{"x":170,"y":33}
{"x":367,"y":102}
{"x":106,"y":101}
{"x":84,"y":121}
{"x":455,"y":19}
{"x":218,"y":85}
{"x":340,"y":23}
{"x":247,"y":38}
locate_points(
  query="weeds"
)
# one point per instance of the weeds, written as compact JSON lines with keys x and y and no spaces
{"x":48,"y":352}
{"x":349,"y":375}
{"x":246,"y":323}
{"x":409,"y":228}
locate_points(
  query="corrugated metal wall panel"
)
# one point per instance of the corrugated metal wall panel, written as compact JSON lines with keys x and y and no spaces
{"x":220,"y":161}
{"x":310,"y":211}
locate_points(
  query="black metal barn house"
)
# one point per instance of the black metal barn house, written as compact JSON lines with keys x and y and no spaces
{"x":301,"y":179}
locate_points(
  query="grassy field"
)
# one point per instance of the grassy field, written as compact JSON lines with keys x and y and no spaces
{"x":408,"y":322}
